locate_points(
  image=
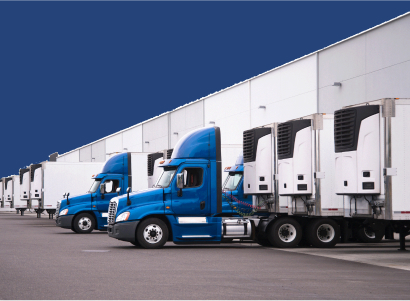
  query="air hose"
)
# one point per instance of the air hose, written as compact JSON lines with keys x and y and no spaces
{"x":228,"y":198}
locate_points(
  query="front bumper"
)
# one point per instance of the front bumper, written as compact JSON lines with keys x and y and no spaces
{"x":123,"y":231}
{"x":64,"y":221}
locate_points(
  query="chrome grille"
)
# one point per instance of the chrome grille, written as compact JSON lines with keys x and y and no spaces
{"x":112,"y":212}
{"x":58,"y":209}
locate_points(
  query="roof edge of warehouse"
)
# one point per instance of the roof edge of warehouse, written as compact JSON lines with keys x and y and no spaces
{"x":237,"y":84}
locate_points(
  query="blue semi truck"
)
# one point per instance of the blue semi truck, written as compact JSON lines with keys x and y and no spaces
{"x":186,"y":204}
{"x":86,"y":212}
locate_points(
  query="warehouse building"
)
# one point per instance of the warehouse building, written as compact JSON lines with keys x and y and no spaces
{"x":370,"y":65}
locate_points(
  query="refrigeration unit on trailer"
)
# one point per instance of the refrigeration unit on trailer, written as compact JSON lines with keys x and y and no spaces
{"x":51,"y":180}
{"x":8,"y":193}
{"x":306,"y":177}
{"x":17,"y":202}
{"x":24,"y":174}
{"x":88,"y":211}
{"x":4,"y":202}
{"x":153,"y":161}
{"x":371,"y":164}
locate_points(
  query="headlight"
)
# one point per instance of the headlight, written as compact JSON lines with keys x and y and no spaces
{"x":63,"y":212}
{"x":123,"y":217}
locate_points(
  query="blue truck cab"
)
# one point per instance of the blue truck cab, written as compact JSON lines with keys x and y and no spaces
{"x":186,"y":204}
{"x":84,"y":213}
{"x":234,"y":201}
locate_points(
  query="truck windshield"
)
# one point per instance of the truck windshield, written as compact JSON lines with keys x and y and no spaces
{"x":232,"y":181}
{"x":166,"y":177}
{"x":95,"y":185}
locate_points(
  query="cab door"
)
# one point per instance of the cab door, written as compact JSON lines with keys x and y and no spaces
{"x":101,"y":203}
{"x":193,"y":199}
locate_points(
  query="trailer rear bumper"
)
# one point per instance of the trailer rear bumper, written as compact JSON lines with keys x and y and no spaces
{"x":123,"y":231}
{"x":65,"y":221}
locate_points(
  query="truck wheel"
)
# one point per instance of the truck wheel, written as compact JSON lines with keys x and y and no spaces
{"x":84,"y":223}
{"x":263,"y":242}
{"x":152,"y":233}
{"x":285,"y":233}
{"x":323,"y":233}
{"x":368,"y":235}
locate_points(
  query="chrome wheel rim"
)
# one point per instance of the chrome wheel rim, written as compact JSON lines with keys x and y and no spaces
{"x":325,"y":233}
{"x":152,"y":233}
{"x":369,"y":233}
{"x":84,"y":223}
{"x":287,"y":233}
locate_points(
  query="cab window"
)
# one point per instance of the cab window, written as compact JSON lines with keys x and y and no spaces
{"x":111,"y":185}
{"x":193,"y":177}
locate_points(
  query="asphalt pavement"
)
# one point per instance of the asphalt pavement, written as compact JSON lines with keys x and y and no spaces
{"x":41,"y":261}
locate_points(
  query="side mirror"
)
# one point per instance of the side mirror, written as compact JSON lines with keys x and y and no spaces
{"x":128,"y":196}
{"x":67,"y":195}
{"x":118,"y":191}
{"x":102,"y":190}
{"x":180,"y":180}
{"x":180,"y":183}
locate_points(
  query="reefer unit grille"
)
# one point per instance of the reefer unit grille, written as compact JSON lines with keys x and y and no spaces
{"x":33,"y":167}
{"x":112,"y":212}
{"x":169,"y":153}
{"x":22,"y":172}
{"x":347,"y":126}
{"x":151,"y":162}
{"x":284,"y":140}
{"x":344,"y":130}
{"x":250,"y":142}
{"x":287,"y":134}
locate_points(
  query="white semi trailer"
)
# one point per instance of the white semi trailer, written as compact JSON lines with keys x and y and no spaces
{"x":293,"y":162}
{"x":24,"y":174}
{"x":49,"y":181}
{"x":8,"y":194}
{"x":371,"y":161}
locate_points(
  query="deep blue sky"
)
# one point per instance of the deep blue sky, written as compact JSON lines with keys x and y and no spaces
{"x":74,"y":72}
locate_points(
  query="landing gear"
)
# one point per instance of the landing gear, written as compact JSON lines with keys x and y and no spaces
{"x":39,"y":211}
{"x":152,"y":233}
{"x":285,"y":233}
{"x":51,"y":213}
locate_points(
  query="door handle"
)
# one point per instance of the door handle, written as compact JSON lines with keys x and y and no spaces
{"x":202,"y":205}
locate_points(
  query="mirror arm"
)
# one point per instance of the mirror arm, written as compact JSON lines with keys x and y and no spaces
{"x":68,"y":201}
{"x":128,"y":197}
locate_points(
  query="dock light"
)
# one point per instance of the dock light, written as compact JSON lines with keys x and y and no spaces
{"x":337,"y":84}
{"x":262,"y":107}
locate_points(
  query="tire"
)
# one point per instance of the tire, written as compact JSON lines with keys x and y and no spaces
{"x":152,"y":233}
{"x":84,"y":223}
{"x":368,"y":235}
{"x":136,"y":244}
{"x":323,"y":233}
{"x":285,"y":233}
{"x":263,"y":242}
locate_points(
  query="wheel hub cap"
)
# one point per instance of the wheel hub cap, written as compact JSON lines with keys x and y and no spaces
{"x":325,"y":233}
{"x":287,"y":233}
{"x":84,"y":223}
{"x":152,"y":233}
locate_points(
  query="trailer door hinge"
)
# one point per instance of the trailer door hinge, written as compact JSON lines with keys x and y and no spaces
{"x":275,"y":177}
{"x":319,"y":175}
{"x":390,"y":171}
